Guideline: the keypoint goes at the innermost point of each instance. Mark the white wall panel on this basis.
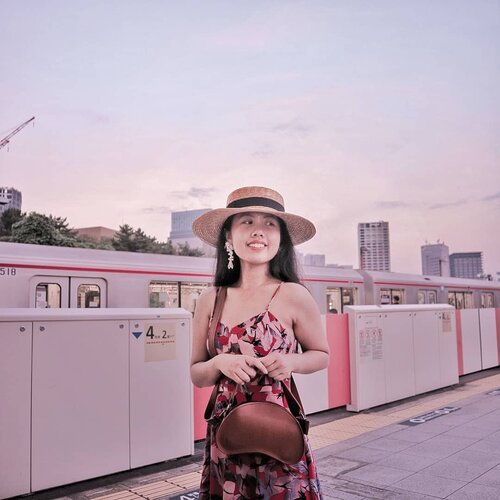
(398, 355)
(471, 342)
(448, 355)
(488, 329)
(15, 408)
(426, 352)
(161, 393)
(313, 390)
(80, 401)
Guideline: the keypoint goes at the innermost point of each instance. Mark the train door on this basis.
(49, 292)
(88, 293)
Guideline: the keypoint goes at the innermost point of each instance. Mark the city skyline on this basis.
(353, 111)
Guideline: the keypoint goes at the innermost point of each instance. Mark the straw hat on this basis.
(252, 199)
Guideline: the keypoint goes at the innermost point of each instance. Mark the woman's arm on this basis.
(205, 371)
(309, 331)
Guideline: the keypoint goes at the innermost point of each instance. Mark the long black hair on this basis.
(283, 265)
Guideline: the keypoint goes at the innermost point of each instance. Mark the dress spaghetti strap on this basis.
(274, 295)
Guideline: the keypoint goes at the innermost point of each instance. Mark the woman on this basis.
(271, 312)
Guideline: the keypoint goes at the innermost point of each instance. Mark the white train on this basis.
(44, 276)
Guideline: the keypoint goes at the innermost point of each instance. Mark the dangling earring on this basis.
(230, 255)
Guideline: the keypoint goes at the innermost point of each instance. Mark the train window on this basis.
(426, 297)
(163, 294)
(460, 300)
(48, 295)
(338, 297)
(190, 293)
(391, 296)
(333, 303)
(487, 299)
(88, 296)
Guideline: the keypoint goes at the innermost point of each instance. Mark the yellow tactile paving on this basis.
(187, 480)
(121, 495)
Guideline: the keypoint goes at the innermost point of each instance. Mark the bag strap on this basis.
(220, 299)
(292, 398)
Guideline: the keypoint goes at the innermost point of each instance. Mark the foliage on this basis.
(7, 219)
(129, 239)
(40, 229)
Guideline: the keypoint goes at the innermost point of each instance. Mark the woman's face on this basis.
(255, 236)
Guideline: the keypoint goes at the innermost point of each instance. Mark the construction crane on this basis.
(5, 140)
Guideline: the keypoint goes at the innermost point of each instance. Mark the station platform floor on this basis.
(451, 451)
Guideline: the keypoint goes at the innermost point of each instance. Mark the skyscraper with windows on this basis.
(466, 265)
(435, 260)
(10, 198)
(373, 246)
(181, 231)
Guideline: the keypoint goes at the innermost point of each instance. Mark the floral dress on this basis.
(254, 476)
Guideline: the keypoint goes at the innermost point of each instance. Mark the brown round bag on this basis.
(261, 427)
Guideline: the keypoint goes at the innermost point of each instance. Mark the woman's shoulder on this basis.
(295, 291)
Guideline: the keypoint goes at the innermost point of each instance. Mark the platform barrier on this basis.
(478, 336)
(86, 393)
(400, 351)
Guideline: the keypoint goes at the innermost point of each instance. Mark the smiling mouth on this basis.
(257, 245)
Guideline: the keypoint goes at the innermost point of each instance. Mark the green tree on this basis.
(8, 218)
(124, 239)
(185, 249)
(38, 229)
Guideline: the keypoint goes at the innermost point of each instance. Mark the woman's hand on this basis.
(238, 367)
(279, 366)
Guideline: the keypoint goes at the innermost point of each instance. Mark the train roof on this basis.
(391, 278)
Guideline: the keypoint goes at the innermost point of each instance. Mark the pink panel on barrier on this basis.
(497, 314)
(460, 349)
(339, 389)
(201, 397)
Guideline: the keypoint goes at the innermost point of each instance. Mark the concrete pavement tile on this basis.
(388, 444)
(407, 495)
(429, 485)
(474, 491)
(364, 454)
(440, 446)
(385, 431)
(333, 449)
(457, 470)
(486, 446)
(412, 463)
(475, 457)
(356, 488)
(376, 474)
(490, 478)
(495, 436)
(457, 418)
(412, 435)
(433, 427)
(332, 466)
(329, 492)
(490, 421)
(471, 431)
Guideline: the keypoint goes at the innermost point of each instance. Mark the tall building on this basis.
(466, 265)
(10, 198)
(182, 232)
(373, 246)
(435, 260)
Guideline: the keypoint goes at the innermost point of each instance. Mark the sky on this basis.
(355, 111)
